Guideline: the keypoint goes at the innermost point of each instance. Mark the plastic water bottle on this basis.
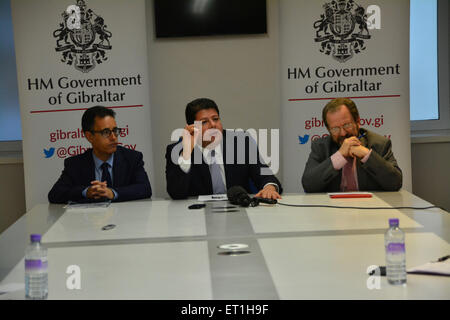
(394, 241)
(36, 276)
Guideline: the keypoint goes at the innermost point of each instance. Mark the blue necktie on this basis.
(105, 175)
(216, 176)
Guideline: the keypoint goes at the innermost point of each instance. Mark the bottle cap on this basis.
(393, 222)
(35, 238)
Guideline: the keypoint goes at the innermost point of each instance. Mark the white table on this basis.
(159, 249)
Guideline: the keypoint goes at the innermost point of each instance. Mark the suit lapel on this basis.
(226, 166)
(90, 166)
(336, 183)
(203, 169)
(117, 178)
(362, 175)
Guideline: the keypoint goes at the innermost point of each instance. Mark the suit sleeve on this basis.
(383, 168)
(139, 187)
(319, 171)
(65, 189)
(260, 172)
(178, 182)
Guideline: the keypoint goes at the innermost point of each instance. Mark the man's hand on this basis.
(358, 151)
(269, 192)
(99, 190)
(347, 144)
(190, 138)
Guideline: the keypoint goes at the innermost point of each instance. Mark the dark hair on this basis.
(334, 105)
(195, 106)
(88, 119)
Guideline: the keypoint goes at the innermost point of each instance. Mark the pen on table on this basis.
(444, 258)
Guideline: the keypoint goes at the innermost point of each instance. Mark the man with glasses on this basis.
(107, 171)
(350, 158)
(209, 160)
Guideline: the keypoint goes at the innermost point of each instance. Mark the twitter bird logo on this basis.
(303, 139)
(49, 153)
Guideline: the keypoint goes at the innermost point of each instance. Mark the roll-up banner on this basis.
(72, 55)
(343, 48)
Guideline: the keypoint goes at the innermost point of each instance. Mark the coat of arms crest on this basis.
(77, 37)
(336, 29)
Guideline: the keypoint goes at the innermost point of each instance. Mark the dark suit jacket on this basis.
(129, 177)
(197, 181)
(379, 173)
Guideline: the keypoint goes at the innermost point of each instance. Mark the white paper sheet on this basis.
(213, 197)
(441, 268)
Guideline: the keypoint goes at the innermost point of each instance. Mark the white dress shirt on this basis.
(185, 165)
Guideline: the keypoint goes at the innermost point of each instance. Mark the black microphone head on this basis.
(234, 192)
(238, 195)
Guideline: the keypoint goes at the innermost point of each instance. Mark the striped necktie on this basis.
(216, 176)
(348, 182)
(105, 174)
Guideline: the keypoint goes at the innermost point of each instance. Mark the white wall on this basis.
(12, 192)
(431, 172)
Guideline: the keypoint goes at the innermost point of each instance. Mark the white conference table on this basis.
(160, 249)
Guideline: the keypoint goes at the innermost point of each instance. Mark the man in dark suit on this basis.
(350, 158)
(107, 171)
(210, 160)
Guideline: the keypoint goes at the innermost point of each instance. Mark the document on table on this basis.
(440, 268)
(88, 205)
(213, 197)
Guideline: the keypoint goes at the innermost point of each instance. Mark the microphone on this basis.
(265, 200)
(238, 196)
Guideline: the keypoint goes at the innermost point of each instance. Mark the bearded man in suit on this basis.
(350, 158)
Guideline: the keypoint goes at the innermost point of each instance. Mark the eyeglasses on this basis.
(106, 133)
(206, 121)
(346, 126)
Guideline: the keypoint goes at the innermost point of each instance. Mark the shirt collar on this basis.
(99, 162)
